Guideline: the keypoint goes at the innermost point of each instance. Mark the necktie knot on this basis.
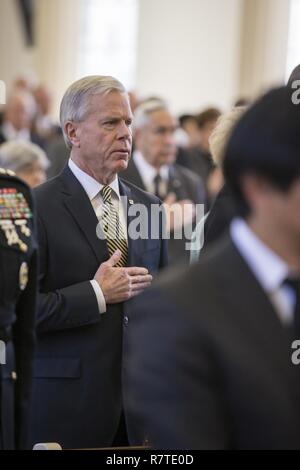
(106, 194)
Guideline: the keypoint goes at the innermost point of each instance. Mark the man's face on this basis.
(156, 140)
(102, 141)
(18, 113)
(286, 209)
(278, 211)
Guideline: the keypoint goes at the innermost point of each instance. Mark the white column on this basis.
(265, 30)
(57, 33)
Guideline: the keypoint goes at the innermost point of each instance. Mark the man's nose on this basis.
(169, 138)
(124, 131)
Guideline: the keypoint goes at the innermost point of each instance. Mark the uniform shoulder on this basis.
(10, 181)
(11, 177)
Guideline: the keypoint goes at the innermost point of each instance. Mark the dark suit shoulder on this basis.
(199, 278)
(49, 187)
(187, 174)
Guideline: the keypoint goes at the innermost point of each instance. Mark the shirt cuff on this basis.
(99, 295)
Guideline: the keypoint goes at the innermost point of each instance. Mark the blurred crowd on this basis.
(179, 156)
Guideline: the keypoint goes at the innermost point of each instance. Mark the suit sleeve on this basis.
(24, 340)
(173, 386)
(70, 307)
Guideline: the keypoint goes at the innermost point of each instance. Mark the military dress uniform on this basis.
(18, 287)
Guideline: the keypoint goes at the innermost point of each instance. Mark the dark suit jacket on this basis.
(77, 376)
(222, 212)
(210, 362)
(18, 290)
(186, 185)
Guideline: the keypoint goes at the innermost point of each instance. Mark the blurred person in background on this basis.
(217, 220)
(224, 371)
(26, 159)
(43, 124)
(153, 168)
(18, 292)
(198, 158)
(17, 119)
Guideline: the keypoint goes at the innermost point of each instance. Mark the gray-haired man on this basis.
(87, 282)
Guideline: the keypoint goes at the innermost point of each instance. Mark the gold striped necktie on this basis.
(112, 228)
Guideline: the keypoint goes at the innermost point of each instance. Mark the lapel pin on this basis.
(130, 201)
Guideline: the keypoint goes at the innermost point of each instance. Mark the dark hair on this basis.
(295, 75)
(265, 142)
(184, 118)
(208, 115)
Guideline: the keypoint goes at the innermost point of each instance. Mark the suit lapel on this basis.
(80, 207)
(134, 246)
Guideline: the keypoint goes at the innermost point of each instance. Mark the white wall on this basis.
(265, 31)
(15, 57)
(189, 51)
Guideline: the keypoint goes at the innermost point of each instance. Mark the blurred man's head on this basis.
(43, 99)
(207, 121)
(188, 123)
(19, 110)
(262, 164)
(155, 128)
(26, 159)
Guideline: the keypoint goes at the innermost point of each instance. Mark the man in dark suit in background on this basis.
(213, 359)
(88, 271)
(153, 168)
(17, 119)
(18, 290)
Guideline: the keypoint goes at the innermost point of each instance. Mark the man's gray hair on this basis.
(144, 110)
(16, 155)
(76, 100)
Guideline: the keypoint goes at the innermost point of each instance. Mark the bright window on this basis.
(293, 57)
(108, 39)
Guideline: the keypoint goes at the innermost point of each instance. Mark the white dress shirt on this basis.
(92, 188)
(149, 172)
(269, 269)
(10, 133)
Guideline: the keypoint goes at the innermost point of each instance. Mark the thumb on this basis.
(115, 257)
(170, 199)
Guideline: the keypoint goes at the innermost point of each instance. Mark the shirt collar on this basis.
(147, 171)
(10, 132)
(91, 186)
(267, 266)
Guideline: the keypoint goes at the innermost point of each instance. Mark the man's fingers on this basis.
(134, 271)
(138, 279)
(170, 199)
(141, 286)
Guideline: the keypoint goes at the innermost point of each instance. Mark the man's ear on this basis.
(71, 129)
